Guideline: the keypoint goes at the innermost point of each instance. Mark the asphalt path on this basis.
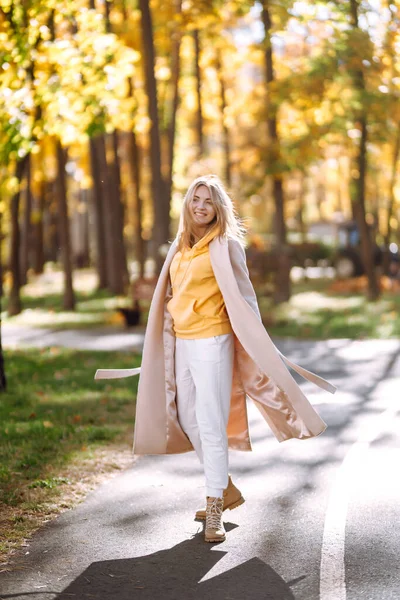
(320, 519)
(95, 338)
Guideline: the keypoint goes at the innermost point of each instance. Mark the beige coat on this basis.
(259, 368)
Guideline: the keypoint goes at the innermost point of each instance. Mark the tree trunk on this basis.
(392, 188)
(225, 131)
(37, 226)
(160, 200)
(102, 174)
(107, 16)
(134, 166)
(119, 250)
(367, 251)
(14, 299)
(111, 201)
(99, 216)
(116, 208)
(115, 168)
(64, 230)
(84, 228)
(52, 236)
(26, 225)
(199, 119)
(109, 211)
(80, 230)
(358, 182)
(3, 380)
(391, 51)
(175, 69)
(283, 287)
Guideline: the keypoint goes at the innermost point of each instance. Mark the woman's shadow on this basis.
(175, 574)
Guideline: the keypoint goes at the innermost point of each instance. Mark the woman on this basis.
(205, 349)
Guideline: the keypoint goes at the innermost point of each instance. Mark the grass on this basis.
(55, 422)
(94, 308)
(42, 303)
(314, 312)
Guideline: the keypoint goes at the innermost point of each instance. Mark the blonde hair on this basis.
(230, 224)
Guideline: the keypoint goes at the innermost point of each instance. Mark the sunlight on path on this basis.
(332, 570)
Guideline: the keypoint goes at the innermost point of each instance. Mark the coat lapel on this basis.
(287, 396)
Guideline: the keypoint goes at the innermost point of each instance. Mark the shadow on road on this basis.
(175, 573)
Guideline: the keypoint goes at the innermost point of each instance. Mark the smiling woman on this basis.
(207, 204)
(206, 349)
(202, 210)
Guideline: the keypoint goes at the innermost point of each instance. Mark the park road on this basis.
(320, 519)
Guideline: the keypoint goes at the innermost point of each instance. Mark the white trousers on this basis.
(203, 373)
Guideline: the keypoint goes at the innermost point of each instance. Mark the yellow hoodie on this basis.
(197, 306)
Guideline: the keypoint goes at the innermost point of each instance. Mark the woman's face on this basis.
(201, 207)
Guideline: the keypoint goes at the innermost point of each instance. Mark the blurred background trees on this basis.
(108, 109)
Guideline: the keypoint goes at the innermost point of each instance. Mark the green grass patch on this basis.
(53, 414)
(95, 307)
(315, 313)
(93, 300)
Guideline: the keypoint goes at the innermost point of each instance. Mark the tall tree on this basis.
(26, 238)
(98, 212)
(161, 202)
(199, 113)
(358, 183)
(116, 207)
(14, 299)
(133, 158)
(392, 66)
(38, 207)
(392, 187)
(283, 288)
(225, 131)
(121, 276)
(176, 72)
(108, 217)
(64, 229)
(3, 379)
(135, 166)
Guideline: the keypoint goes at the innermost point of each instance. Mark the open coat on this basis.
(259, 369)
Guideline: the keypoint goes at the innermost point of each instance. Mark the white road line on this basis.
(332, 569)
